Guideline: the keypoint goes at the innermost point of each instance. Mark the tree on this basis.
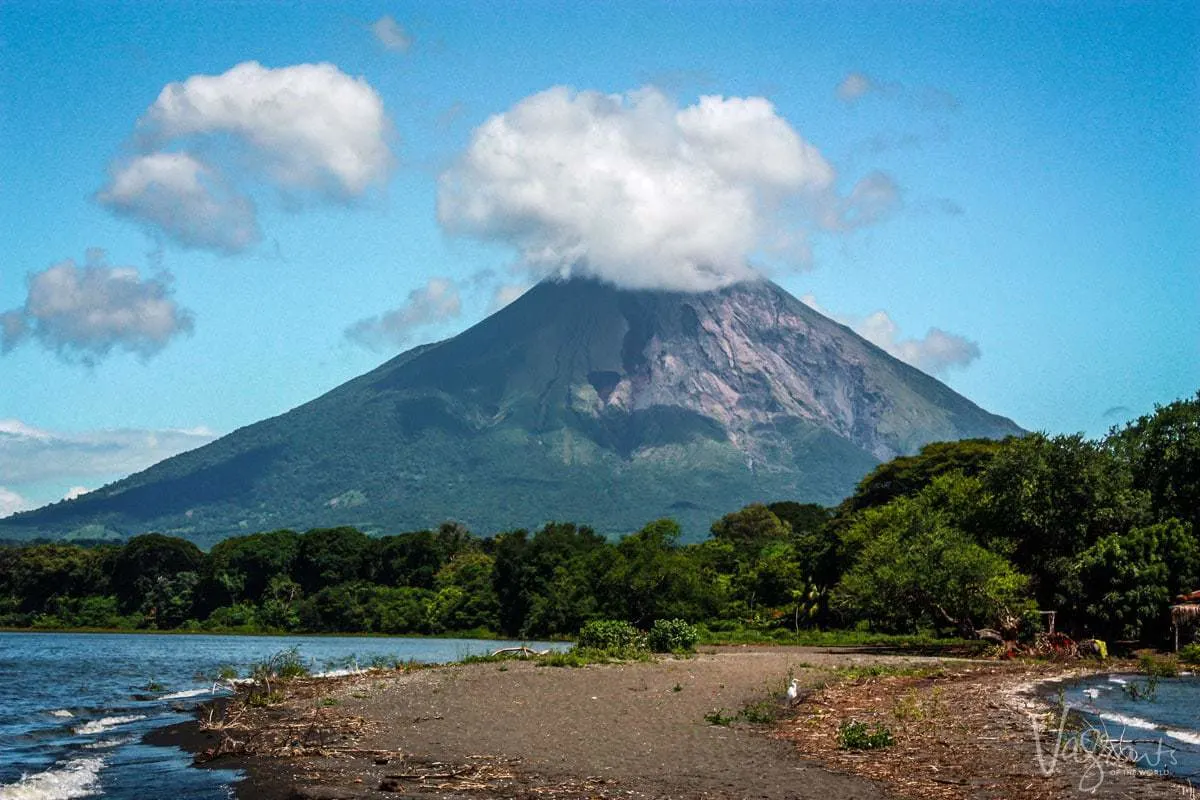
(914, 570)
(465, 597)
(1048, 499)
(144, 559)
(329, 556)
(1125, 582)
(1163, 452)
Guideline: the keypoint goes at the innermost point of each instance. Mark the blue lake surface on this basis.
(74, 707)
(1161, 732)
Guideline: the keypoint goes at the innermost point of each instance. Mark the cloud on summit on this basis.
(636, 190)
(83, 313)
(308, 132)
(935, 353)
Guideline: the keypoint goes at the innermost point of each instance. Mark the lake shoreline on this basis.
(626, 730)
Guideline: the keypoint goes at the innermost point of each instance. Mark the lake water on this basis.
(74, 707)
(1160, 732)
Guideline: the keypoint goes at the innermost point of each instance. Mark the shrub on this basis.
(673, 636)
(1158, 666)
(610, 634)
(1190, 654)
(854, 735)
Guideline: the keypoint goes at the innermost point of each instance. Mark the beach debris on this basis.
(522, 652)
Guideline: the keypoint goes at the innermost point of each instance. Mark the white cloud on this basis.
(75, 491)
(309, 126)
(308, 131)
(635, 190)
(437, 301)
(83, 313)
(391, 34)
(185, 199)
(31, 455)
(936, 353)
(11, 503)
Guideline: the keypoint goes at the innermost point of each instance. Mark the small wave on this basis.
(1188, 737)
(76, 778)
(1092, 693)
(61, 712)
(105, 744)
(186, 693)
(338, 673)
(1115, 679)
(106, 724)
(1129, 722)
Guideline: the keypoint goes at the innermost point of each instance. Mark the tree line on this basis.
(968, 534)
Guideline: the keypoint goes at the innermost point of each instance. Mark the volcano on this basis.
(579, 401)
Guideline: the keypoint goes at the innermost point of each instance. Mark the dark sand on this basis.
(519, 730)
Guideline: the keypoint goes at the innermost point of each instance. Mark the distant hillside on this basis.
(579, 401)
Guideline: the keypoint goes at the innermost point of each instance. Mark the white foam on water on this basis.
(107, 744)
(338, 673)
(186, 693)
(1115, 679)
(1188, 737)
(106, 724)
(61, 712)
(1092, 693)
(79, 777)
(1129, 722)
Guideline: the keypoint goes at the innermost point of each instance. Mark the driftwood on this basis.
(523, 651)
(990, 634)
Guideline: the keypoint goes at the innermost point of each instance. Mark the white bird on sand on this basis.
(793, 691)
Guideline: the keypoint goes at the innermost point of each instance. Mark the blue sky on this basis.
(1024, 178)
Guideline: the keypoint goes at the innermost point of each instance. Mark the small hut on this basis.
(1185, 614)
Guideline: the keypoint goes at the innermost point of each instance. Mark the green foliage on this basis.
(963, 534)
(610, 634)
(672, 636)
(916, 570)
(1157, 665)
(1125, 580)
(719, 717)
(855, 735)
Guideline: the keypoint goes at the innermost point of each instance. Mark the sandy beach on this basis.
(646, 730)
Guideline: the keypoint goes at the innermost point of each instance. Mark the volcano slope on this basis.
(579, 401)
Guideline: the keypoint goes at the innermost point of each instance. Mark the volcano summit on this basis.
(579, 401)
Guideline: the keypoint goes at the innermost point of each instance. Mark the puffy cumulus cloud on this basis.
(391, 34)
(33, 455)
(308, 131)
(83, 312)
(11, 503)
(76, 491)
(309, 126)
(437, 301)
(636, 190)
(185, 199)
(936, 353)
